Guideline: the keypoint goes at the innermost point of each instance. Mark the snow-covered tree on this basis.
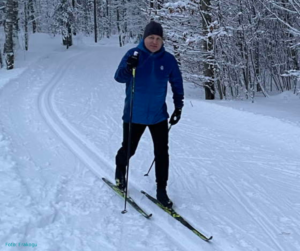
(9, 30)
(231, 48)
(188, 25)
(32, 14)
(63, 21)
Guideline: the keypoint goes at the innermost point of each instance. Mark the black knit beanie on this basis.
(153, 28)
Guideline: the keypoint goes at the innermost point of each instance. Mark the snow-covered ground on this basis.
(234, 165)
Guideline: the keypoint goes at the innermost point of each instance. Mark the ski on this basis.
(177, 216)
(129, 199)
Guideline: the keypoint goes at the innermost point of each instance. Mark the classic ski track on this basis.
(268, 228)
(75, 142)
(232, 189)
(53, 120)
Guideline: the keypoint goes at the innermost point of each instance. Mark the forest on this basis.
(234, 49)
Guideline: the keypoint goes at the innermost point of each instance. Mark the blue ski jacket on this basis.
(153, 73)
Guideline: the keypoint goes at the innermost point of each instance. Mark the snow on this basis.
(234, 165)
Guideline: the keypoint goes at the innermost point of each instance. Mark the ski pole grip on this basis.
(135, 54)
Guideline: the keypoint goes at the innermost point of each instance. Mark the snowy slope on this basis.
(234, 166)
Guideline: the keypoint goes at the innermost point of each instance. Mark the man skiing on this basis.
(155, 67)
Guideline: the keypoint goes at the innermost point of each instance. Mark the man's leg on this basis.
(160, 137)
(137, 131)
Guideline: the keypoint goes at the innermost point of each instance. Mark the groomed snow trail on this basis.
(233, 174)
(68, 207)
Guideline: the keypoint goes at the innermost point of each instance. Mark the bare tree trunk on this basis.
(32, 15)
(108, 19)
(124, 23)
(207, 46)
(16, 18)
(95, 21)
(9, 25)
(1, 60)
(118, 26)
(257, 66)
(74, 31)
(26, 25)
(151, 8)
(160, 4)
(66, 23)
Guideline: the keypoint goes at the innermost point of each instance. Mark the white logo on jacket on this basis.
(162, 67)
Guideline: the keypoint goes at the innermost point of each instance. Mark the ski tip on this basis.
(149, 216)
(143, 192)
(208, 239)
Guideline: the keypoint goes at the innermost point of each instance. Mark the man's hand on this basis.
(175, 116)
(132, 62)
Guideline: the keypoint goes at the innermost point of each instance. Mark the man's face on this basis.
(153, 43)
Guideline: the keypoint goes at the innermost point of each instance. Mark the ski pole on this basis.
(147, 174)
(129, 132)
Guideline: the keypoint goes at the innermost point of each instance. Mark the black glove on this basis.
(132, 62)
(175, 116)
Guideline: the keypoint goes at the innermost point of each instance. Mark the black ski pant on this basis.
(160, 138)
